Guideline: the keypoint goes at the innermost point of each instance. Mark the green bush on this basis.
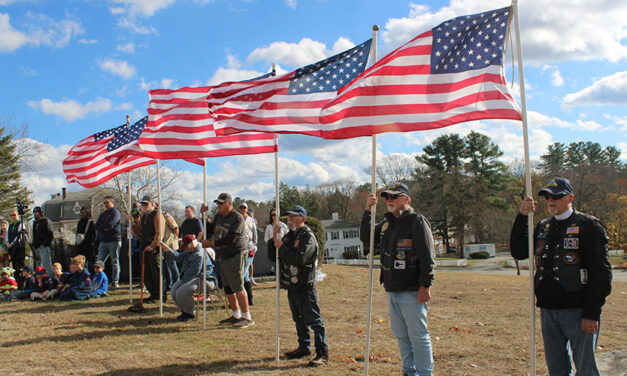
(480, 255)
(350, 255)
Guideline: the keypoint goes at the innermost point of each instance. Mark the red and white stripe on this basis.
(266, 106)
(86, 163)
(180, 125)
(399, 94)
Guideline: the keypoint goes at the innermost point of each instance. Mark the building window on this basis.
(335, 235)
(352, 233)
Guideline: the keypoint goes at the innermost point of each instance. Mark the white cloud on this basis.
(44, 30)
(118, 67)
(88, 41)
(144, 8)
(299, 54)
(11, 39)
(128, 48)
(291, 3)
(537, 119)
(549, 33)
(620, 121)
(607, 90)
(69, 109)
(165, 83)
(232, 72)
(556, 78)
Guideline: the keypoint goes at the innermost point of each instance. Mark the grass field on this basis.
(478, 323)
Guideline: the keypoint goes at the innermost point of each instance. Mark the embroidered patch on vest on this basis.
(570, 258)
(385, 226)
(400, 255)
(572, 230)
(405, 243)
(399, 264)
(296, 243)
(540, 246)
(571, 243)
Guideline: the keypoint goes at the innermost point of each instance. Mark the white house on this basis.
(341, 236)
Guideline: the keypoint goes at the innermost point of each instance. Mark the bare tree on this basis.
(395, 167)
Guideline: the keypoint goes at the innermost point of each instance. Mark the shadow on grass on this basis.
(57, 306)
(144, 327)
(216, 366)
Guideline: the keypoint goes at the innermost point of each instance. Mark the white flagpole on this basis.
(276, 256)
(160, 247)
(373, 210)
(130, 238)
(204, 253)
(523, 102)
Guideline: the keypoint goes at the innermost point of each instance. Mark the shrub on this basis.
(480, 255)
(350, 255)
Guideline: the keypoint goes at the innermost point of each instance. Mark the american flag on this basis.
(180, 126)
(450, 74)
(289, 103)
(86, 163)
(126, 142)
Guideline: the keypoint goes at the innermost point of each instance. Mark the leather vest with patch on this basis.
(559, 256)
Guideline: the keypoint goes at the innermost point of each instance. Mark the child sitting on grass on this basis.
(43, 284)
(79, 286)
(100, 282)
(7, 283)
(60, 278)
(28, 284)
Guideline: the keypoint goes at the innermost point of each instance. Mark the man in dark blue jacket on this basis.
(573, 277)
(298, 257)
(406, 244)
(42, 239)
(110, 236)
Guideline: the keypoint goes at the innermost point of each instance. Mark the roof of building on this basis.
(336, 224)
(68, 208)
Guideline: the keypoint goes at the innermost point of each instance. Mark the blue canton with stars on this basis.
(469, 42)
(125, 135)
(331, 74)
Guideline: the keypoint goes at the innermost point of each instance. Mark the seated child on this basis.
(100, 282)
(7, 283)
(43, 284)
(79, 284)
(59, 278)
(28, 284)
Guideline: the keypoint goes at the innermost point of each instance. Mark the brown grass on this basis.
(478, 323)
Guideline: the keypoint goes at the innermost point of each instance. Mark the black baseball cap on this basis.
(298, 210)
(396, 188)
(557, 186)
(27, 269)
(223, 197)
(146, 199)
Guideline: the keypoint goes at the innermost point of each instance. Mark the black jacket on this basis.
(109, 226)
(572, 265)
(228, 234)
(42, 233)
(406, 246)
(297, 258)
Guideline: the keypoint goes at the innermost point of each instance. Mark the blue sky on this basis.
(72, 68)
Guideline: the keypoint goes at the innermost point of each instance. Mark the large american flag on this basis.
(450, 74)
(86, 163)
(289, 103)
(180, 125)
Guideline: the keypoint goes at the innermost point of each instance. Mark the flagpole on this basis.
(276, 256)
(130, 238)
(523, 102)
(204, 253)
(129, 234)
(373, 210)
(160, 247)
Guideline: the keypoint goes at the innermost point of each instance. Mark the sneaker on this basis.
(243, 323)
(115, 286)
(321, 359)
(230, 321)
(184, 317)
(298, 353)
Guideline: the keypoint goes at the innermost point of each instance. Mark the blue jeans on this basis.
(408, 320)
(249, 261)
(43, 254)
(106, 249)
(171, 269)
(306, 314)
(564, 339)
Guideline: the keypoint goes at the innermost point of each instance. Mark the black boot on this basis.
(322, 358)
(298, 353)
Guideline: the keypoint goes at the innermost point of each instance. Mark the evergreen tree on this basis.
(10, 188)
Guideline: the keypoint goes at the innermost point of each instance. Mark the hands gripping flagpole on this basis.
(373, 210)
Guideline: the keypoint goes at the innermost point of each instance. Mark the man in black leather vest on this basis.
(151, 230)
(573, 277)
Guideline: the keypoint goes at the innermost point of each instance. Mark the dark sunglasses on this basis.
(554, 197)
(273, 214)
(393, 197)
